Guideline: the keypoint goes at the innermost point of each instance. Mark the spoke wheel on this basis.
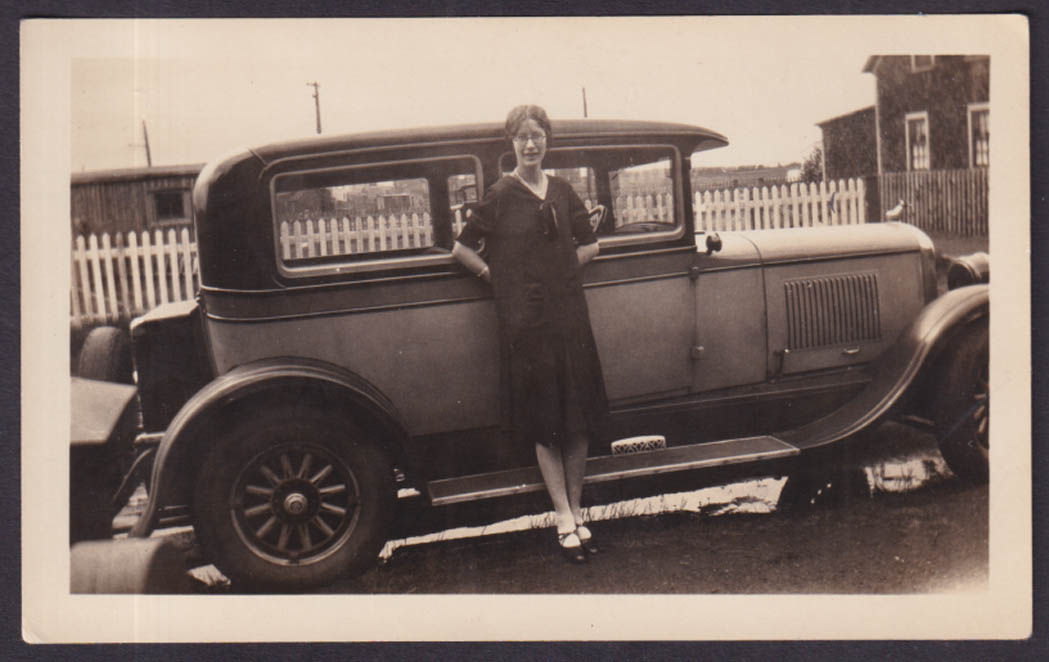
(292, 500)
(964, 406)
(295, 503)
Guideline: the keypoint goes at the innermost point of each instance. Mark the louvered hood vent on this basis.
(832, 311)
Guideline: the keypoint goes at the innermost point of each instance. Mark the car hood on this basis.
(817, 243)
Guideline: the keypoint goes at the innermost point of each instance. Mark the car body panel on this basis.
(415, 355)
(846, 313)
(729, 326)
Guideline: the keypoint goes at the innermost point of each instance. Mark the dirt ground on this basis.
(909, 527)
(929, 541)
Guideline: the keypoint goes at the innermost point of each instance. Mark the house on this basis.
(931, 111)
(850, 148)
(132, 199)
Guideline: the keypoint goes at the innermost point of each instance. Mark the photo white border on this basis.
(51, 614)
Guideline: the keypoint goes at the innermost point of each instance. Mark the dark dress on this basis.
(551, 375)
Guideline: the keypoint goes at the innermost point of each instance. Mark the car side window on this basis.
(354, 219)
(369, 214)
(635, 185)
(462, 189)
(642, 197)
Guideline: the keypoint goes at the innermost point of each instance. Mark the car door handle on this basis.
(851, 351)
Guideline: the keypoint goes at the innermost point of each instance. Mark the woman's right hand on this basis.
(469, 258)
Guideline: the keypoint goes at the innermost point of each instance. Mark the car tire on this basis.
(963, 405)
(293, 499)
(106, 356)
(94, 477)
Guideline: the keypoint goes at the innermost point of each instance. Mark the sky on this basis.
(204, 88)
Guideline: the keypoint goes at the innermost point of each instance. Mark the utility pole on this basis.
(145, 134)
(317, 101)
(584, 101)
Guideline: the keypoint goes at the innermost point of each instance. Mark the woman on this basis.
(537, 236)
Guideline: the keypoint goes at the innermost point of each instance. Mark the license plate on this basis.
(649, 442)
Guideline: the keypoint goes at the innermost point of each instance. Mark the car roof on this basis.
(585, 130)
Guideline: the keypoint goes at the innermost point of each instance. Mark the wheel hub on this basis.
(295, 500)
(295, 504)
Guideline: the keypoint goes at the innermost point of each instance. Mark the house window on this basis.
(922, 62)
(917, 130)
(169, 206)
(979, 135)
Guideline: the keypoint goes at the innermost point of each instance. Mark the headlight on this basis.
(969, 269)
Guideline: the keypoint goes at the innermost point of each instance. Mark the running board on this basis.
(613, 467)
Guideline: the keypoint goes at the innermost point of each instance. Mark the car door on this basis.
(639, 289)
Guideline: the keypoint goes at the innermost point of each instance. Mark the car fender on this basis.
(269, 381)
(898, 368)
(102, 414)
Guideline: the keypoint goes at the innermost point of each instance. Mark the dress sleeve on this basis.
(581, 230)
(480, 220)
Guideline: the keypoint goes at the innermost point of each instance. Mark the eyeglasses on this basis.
(534, 137)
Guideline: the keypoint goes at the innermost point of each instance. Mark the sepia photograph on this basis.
(526, 328)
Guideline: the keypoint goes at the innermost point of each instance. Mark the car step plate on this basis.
(614, 467)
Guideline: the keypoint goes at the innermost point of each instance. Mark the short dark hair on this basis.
(518, 115)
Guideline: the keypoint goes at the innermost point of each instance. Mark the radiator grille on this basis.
(831, 311)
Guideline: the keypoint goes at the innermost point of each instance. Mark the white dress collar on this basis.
(538, 191)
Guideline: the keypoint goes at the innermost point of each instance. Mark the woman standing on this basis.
(537, 234)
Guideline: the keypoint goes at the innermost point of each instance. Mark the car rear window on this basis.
(370, 213)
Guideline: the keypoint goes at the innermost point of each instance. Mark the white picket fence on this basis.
(788, 206)
(350, 236)
(130, 274)
(119, 278)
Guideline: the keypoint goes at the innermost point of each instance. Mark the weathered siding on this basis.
(124, 200)
(944, 92)
(849, 146)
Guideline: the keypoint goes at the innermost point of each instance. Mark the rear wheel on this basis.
(963, 406)
(293, 500)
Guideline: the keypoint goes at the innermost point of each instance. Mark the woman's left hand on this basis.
(587, 252)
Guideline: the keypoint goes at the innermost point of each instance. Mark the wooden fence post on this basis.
(96, 272)
(121, 257)
(136, 282)
(187, 263)
(176, 286)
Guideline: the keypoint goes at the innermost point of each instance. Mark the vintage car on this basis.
(338, 363)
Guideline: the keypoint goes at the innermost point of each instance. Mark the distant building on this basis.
(714, 178)
(932, 111)
(849, 145)
(132, 199)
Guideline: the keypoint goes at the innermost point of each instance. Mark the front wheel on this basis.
(288, 501)
(963, 406)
